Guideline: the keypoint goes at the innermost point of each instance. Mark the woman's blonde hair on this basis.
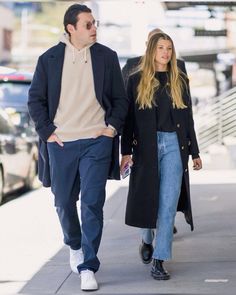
(148, 84)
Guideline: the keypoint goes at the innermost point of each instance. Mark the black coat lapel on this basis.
(98, 65)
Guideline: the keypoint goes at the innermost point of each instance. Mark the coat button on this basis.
(189, 143)
(182, 147)
(186, 170)
(178, 125)
(135, 142)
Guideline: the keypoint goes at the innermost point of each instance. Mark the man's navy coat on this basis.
(44, 95)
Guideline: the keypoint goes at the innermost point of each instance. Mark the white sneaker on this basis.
(88, 281)
(76, 258)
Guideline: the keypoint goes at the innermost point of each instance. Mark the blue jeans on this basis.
(170, 180)
(81, 166)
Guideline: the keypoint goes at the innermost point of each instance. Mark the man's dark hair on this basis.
(71, 14)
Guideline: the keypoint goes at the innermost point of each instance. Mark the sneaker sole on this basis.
(89, 290)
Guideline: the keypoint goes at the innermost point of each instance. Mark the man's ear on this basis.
(70, 28)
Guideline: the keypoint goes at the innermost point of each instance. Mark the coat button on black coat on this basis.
(178, 125)
(135, 142)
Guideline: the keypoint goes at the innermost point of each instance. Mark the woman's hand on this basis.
(54, 138)
(125, 160)
(197, 164)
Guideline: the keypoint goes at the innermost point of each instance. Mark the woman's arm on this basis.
(194, 150)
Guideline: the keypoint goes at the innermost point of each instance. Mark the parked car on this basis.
(18, 140)
(14, 87)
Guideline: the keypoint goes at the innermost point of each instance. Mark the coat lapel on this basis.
(98, 71)
(55, 67)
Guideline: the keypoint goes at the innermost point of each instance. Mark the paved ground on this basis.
(204, 261)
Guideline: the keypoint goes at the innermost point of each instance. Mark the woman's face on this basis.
(163, 52)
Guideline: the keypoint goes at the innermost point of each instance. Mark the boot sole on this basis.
(164, 278)
(146, 262)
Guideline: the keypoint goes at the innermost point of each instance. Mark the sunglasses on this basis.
(89, 25)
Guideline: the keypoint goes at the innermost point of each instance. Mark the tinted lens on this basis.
(90, 24)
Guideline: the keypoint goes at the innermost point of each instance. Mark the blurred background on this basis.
(204, 33)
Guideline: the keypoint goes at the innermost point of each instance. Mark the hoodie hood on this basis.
(74, 51)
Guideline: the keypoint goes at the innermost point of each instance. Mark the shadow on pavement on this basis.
(203, 261)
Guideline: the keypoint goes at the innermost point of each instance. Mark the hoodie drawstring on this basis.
(85, 55)
(84, 51)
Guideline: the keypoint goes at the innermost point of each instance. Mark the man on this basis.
(146, 247)
(78, 103)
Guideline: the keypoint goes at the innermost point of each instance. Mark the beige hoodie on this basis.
(79, 114)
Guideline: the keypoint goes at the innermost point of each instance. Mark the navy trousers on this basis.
(81, 166)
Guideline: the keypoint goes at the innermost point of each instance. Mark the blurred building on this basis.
(6, 29)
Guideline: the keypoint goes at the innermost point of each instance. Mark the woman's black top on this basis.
(163, 104)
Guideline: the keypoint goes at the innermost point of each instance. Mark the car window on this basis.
(13, 93)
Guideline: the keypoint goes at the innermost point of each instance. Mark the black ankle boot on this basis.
(158, 272)
(145, 252)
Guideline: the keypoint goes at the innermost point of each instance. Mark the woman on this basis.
(157, 140)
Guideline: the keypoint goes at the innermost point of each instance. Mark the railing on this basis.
(216, 121)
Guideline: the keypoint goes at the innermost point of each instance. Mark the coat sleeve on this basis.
(120, 101)
(194, 150)
(38, 103)
(128, 131)
(126, 72)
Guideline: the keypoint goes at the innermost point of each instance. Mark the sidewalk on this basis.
(204, 261)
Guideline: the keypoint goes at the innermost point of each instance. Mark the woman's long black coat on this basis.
(140, 139)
